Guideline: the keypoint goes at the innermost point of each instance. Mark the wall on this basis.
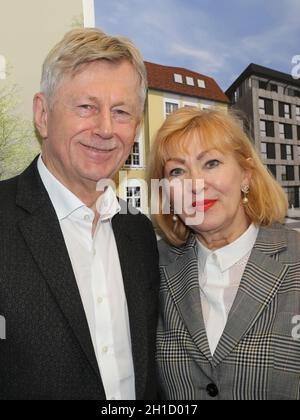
(28, 29)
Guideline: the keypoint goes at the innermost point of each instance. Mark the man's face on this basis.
(89, 131)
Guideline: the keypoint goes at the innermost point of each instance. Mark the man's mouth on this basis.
(98, 149)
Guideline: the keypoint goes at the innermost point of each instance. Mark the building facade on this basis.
(270, 101)
(170, 88)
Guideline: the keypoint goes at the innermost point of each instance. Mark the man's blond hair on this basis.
(86, 45)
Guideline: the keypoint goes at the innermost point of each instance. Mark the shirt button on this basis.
(100, 300)
(104, 350)
(212, 390)
(87, 218)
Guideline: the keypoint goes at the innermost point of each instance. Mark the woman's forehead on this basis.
(194, 142)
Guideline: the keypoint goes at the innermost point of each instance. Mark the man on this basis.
(78, 278)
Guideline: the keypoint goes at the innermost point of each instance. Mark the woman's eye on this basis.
(177, 172)
(212, 163)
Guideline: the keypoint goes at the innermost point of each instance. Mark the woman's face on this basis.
(217, 200)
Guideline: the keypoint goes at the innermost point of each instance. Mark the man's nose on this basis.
(104, 124)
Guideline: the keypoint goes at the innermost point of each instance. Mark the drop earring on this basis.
(245, 190)
(174, 217)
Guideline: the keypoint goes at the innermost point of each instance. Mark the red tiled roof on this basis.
(162, 78)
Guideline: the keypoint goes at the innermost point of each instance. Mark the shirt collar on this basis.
(229, 255)
(65, 202)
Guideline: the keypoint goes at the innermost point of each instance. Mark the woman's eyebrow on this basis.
(176, 160)
(183, 161)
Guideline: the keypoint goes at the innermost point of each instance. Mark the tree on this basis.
(18, 143)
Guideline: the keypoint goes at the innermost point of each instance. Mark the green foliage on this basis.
(18, 143)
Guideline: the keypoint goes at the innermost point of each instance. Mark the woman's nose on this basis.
(197, 183)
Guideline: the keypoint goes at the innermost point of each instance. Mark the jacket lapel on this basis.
(182, 277)
(136, 295)
(260, 283)
(41, 231)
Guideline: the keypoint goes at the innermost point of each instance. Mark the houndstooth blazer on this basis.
(258, 356)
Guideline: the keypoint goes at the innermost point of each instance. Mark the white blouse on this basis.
(220, 274)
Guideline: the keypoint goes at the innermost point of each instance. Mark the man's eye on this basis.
(86, 106)
(86, 110)
(177, 172)
(212, 164)
(121, 115)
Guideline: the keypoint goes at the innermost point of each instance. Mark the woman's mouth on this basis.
(204, 205)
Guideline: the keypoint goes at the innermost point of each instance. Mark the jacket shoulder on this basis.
(8, 190)
(293, 244)
(167, 253)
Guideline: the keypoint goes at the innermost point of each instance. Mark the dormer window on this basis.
(178, 78)
(190, 81)
(201, 84)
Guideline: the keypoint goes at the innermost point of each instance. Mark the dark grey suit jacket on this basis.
(48, 351)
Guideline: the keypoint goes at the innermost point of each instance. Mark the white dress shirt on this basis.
(97, 269)
(220, 274)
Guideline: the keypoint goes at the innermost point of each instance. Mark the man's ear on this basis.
(40, 113)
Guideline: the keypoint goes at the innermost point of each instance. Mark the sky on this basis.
(216, 38)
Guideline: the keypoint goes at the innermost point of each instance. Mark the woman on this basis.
(230, 283)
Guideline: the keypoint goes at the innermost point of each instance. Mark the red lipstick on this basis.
(205, 205)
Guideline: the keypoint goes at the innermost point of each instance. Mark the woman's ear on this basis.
(248, 171)
(40, 113)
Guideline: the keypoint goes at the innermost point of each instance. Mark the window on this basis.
(133, 196)
(285, 110)
(2, 67)
(273, 87)
(170, 107)
(297, 93)
(268, 151)
(271, 151)
(201, 84)
(262, 85)
(178, 78)
(134, 158)
(263, 150)
(298, 132)
(190, 81)
(273, 170)
(267, 129)
(293, 196)
(285, 131)
(291, 92)
(298, 113)
(266, 106)
(290, 173)
(287, 152)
